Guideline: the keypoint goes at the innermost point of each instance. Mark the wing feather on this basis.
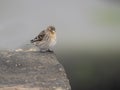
(39, 37)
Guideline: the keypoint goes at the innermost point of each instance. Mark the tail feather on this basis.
(32, 41)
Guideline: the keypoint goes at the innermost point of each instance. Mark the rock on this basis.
(31, 71)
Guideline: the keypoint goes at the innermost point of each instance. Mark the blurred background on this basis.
(88, 36)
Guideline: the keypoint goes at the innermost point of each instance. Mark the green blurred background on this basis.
(88, 36)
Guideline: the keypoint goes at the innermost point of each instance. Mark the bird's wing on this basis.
(39, 37)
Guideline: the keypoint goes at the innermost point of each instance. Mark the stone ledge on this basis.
(31, 71)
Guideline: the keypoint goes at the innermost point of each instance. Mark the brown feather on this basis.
(39, 37)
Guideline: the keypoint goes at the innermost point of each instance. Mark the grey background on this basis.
(79, 23)
(85, 30)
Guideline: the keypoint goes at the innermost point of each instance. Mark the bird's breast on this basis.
(53, 36)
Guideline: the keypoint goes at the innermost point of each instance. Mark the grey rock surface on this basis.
(31, 71)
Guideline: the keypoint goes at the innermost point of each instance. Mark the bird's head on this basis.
(51, 29)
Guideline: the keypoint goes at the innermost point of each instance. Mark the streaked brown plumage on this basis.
(46, 39)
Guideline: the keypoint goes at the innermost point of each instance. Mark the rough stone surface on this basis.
(31, 71)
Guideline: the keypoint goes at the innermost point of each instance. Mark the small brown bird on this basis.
(46, 39)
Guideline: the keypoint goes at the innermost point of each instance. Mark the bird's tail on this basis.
(32, 41)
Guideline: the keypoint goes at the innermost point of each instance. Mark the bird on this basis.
(45, 40)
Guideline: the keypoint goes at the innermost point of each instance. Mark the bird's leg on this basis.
(50, 50)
